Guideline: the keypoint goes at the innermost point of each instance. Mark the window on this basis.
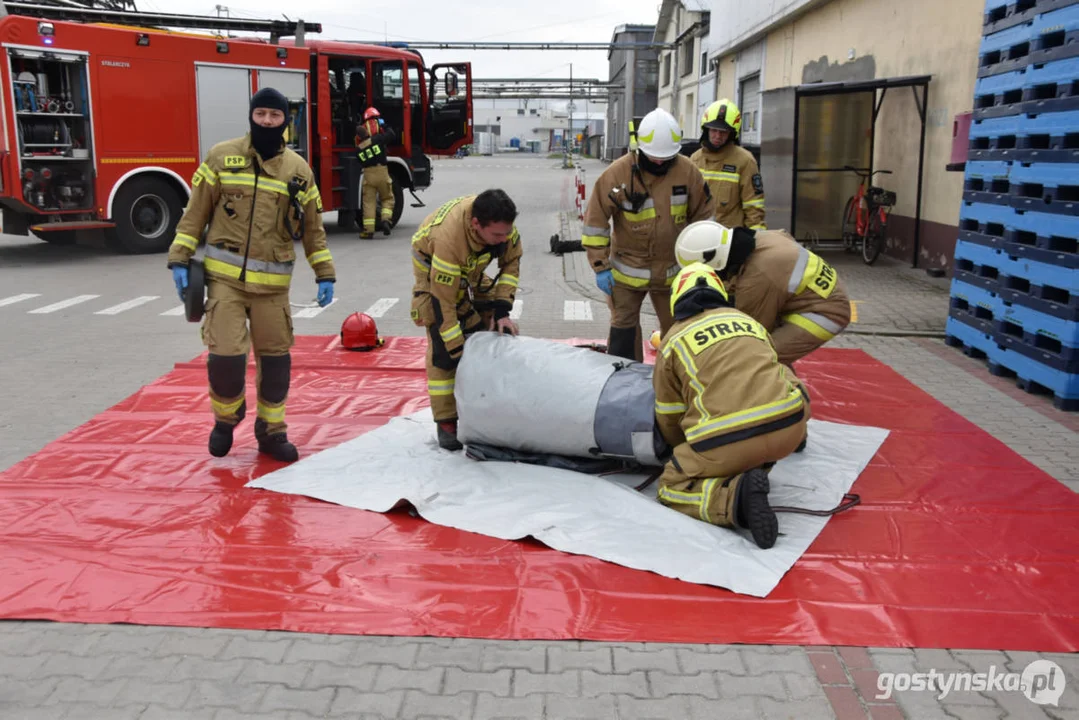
(704, 63)
(647, 75)
(388, 83)
(666, 69)
(414, 84)
(688, 53)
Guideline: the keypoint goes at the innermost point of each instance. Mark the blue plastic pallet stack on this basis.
(1015, 288)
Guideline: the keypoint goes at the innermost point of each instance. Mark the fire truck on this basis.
(107, 114)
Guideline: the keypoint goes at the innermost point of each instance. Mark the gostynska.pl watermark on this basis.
(1042, 682)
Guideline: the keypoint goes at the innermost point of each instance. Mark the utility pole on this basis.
(570, 107)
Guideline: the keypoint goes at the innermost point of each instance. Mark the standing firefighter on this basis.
(731, 170)
(651, 194)
(257, 197)
(726, 405)
(453, 297)
(377, 184)
(792, 292)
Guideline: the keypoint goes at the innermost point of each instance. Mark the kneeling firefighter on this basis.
(797, 297)
(651, 194)
(258, 197)
(453, 297)
(377, 184)
(726, 405)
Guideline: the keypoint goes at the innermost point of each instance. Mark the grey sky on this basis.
(553, 20)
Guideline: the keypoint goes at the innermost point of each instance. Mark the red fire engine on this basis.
(107, 116)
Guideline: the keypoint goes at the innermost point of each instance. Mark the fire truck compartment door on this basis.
(224, 94)
(293, 85)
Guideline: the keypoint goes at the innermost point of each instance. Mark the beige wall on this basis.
(683, 88)
(915, 37)
(726, 82)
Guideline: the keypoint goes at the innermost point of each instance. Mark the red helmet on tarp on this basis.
(359, 332)
(370, 113)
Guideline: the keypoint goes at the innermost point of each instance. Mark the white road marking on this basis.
(310, 312)
(175, 311)
(18, 298)
(133, 303)
(381, 307)
(577, 310)
(518, 306)
(62, 304)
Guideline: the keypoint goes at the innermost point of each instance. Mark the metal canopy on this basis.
(833, 88)
(781, 152)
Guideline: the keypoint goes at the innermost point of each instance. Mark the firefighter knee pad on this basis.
(622, 342)
(442, 358)
(226, 374)
(275, 377)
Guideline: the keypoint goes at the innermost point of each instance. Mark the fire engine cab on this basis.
(107, 115)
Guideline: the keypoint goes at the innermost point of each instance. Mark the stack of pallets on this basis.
(1015, 289)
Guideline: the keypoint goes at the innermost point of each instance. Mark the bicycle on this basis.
(870, 220)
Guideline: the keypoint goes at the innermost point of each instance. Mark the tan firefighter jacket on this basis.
(782, 281)
(735, 180)
(449, 263)
(640, 249)
(718, 381)
(249, 244)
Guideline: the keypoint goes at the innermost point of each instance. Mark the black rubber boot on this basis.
(277, 445)
(447, 436)
(802, 445)
(221, 439)
(753, 512)
(621, 342)
(386, 228)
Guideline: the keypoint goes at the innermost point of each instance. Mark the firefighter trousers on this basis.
(376, 186)
(704, 485)
(625, 304)
(799, 334)
(441, 367)
(235, 321)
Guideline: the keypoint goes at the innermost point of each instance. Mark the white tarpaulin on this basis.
(579, 513)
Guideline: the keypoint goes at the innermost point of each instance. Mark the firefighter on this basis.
(377, 184)
(452, 295)
(257, 197)
(372, 120)
(731, 170)
(792, 292)
(726, 405)
(651, 193)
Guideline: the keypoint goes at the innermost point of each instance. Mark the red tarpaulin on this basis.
(958, 542)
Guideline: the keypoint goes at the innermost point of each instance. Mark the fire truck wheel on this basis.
(146, 211)
(346, 220)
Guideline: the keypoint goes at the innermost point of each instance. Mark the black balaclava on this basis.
(654, 168)
(698, 299)
(743, 243)
(267, 140)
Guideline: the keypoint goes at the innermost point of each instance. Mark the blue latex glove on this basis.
(605, 281)
(325, 293)
(179, 276)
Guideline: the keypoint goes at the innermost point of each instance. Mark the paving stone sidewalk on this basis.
(889, 297)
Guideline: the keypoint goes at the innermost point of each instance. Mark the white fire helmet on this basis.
(659, 136)
(704, 241)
